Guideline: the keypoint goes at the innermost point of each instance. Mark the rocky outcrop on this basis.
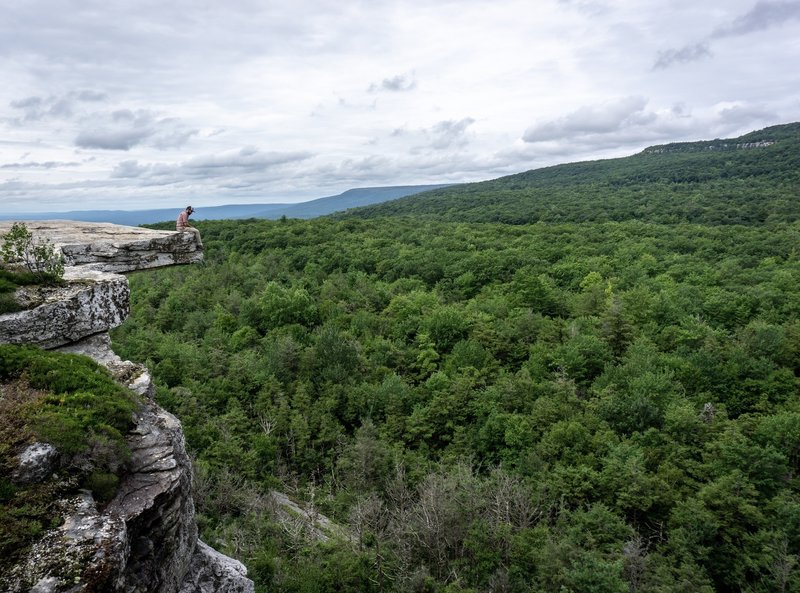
(211, 572)
(152, 501)
(89, 303)
(145, 539)
(87, 550)
(115, 248)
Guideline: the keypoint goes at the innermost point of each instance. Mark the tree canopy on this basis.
(591, 405)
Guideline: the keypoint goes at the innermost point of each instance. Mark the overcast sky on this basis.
(130, 105)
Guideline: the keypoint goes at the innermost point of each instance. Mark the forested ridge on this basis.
(574, 402)
(668, 184)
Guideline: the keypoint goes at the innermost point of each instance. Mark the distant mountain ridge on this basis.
(351, 198)
(752, 179)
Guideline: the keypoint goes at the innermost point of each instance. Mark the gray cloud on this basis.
(396, 84)
(743, 116)
(35, 108)
(91, 96)
(44, 165)
(27, 103)
(117, 129)
(248, 161)
(763, 15)
(173, 139)
(129, 170)
(449, 133)
(589, 7)
(109, 139)
(122, 129)
(407, 169)
(593, 119)
(690, 53)
(248, 158)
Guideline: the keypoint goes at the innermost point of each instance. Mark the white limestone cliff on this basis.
(145, 539)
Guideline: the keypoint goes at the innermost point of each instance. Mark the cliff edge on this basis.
(145, 538)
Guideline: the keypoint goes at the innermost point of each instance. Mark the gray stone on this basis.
(36, 463)
(154, 500)
(91, 302)
(46, 585)
(113, 247)
(212, 572)
(86, 553)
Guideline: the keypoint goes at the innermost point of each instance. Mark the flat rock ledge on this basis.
(113, 247)
(95, 297)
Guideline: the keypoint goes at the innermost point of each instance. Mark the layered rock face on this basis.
(145, 539)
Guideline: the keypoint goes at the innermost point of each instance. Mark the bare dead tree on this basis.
(784, 565)
(634, 557)
(266, 423)
(369, 520)
(511, 501)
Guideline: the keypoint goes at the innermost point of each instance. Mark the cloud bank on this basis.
(254, 102)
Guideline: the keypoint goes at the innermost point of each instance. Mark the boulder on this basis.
(36, 463)
(86, 552)
(212, 572)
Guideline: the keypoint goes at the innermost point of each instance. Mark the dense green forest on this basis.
(582, 406)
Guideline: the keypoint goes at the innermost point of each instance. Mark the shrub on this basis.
(82, 411)
(10, 280)
(38, 257)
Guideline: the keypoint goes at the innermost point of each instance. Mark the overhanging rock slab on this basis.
(94, 298)
(113, 247)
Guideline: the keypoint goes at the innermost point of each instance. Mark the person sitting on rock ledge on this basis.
(182, 224)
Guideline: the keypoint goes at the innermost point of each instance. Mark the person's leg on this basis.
(196, 234)
(197, 238)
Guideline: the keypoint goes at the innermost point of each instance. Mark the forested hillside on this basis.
(582, 406)
(750, 180)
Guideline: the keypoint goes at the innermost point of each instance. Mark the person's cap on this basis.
(190, 208)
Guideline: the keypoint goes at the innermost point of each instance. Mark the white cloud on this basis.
(450, 133)
(765, 14)
(593, 119)
(248, 101)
